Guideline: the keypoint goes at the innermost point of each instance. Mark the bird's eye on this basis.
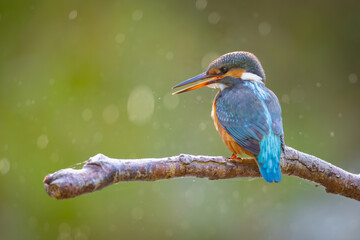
(224, 70)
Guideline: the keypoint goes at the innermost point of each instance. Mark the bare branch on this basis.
(101, 171)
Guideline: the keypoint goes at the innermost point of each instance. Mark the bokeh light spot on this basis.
(87, 114)
(42, 141)
(201, 4)
(353, 78)
(111, 114)
(137, 15)
(214, 18)
(202, 126)
(119, 38)
(140, 105)
(264, 28)
(169, 55)
(4, 166)
(73, 15)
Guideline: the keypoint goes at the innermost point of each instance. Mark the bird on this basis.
(246, 113)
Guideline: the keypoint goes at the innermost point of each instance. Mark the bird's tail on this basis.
(269, 157)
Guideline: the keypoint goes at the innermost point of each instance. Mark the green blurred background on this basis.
(82, 77)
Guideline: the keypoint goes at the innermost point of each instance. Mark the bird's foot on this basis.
(235, 157)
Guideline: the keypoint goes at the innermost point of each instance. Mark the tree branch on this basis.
(101, 171)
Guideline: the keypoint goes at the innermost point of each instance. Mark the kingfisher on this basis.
(246, 113)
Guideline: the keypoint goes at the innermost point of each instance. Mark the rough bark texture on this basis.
(101, 171)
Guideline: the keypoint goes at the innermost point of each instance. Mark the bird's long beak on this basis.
(210, 79)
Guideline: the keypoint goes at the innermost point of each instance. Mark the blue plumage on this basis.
(251, 114)
(245, 112)
(269, 157)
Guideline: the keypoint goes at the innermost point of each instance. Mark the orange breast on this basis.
(232, 145)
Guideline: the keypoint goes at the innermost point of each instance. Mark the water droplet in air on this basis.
(42, 141)
(137, 15)
(201, 4)
(73, 15)
(140, 105)
(214, 18)
(264, 28)
(353, 78)
(169, 55)
(4, 166)
(202, 126)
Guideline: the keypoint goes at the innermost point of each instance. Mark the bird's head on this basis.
(226, 71)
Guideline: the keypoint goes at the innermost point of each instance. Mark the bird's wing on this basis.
(274, 108)
(244, 117)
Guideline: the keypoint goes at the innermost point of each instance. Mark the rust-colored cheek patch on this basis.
(214, 71)
(236, 73)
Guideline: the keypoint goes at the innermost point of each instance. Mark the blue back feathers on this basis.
(251, 114)
(269, 157)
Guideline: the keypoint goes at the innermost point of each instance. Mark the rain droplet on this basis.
(42, 141)
(318, 84)
(214, 18)
(4, 166)
(332, 134)
(137, 15)
(111, 114)
(201, 4)
(73, 14)
(264, 28)
(353, 78)
(140, 105)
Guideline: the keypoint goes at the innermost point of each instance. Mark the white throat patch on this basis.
(218, 85)
(251, 77)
